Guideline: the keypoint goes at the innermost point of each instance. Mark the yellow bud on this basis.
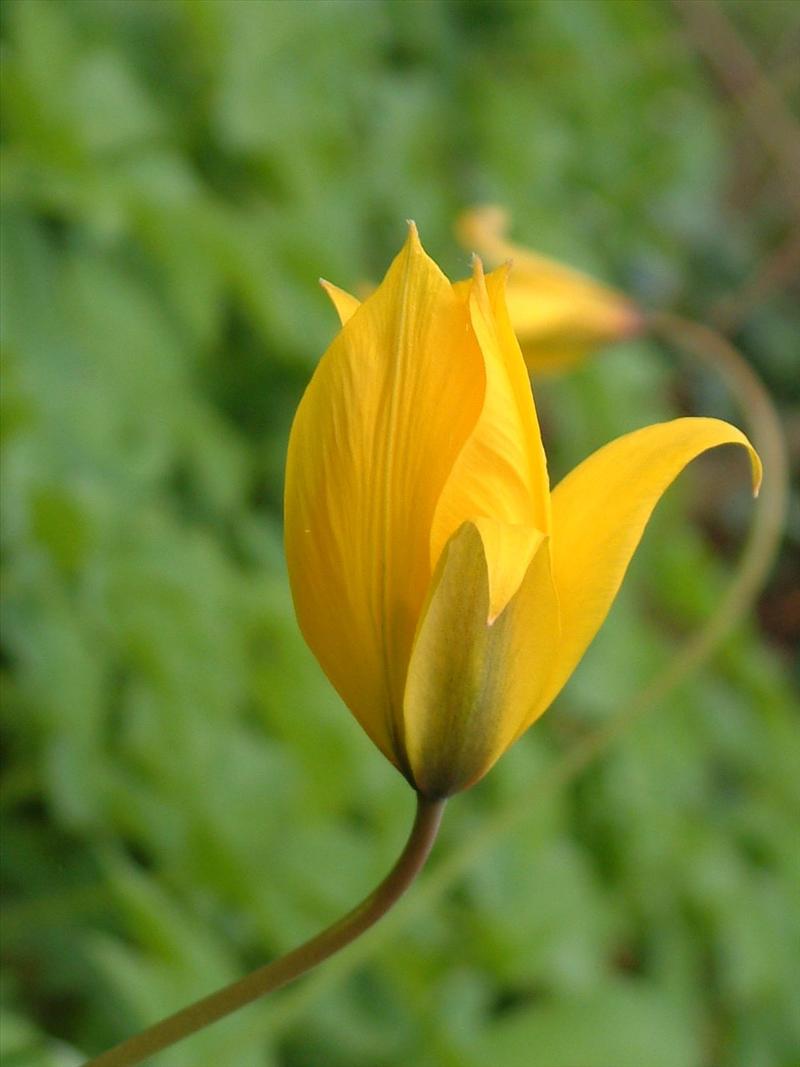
(559, 315)
(446, 592)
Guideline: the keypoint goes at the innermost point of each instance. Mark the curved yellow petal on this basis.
(558, 313)
(501, 473)
(387, 412)
(600, 511)
(345, 304)
(472, 682)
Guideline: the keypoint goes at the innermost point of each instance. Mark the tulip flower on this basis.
(446, 592)
(558, 314)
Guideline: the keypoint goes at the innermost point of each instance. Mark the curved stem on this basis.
(273, 975)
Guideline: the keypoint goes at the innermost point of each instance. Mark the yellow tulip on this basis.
(558, 314)
(446, 593)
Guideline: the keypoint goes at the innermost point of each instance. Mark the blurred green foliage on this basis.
(183, 794)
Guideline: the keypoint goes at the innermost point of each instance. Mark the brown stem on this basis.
(273, 975)
(760, 102)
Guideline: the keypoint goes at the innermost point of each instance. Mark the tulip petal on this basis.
(472, 682)
(536, 461)
(600, 511)
(501, 471)
(508, 550)
(387, 412)
(345, 303)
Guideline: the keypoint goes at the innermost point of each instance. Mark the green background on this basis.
(183, 795)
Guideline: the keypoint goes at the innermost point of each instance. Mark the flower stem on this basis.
(279, 972)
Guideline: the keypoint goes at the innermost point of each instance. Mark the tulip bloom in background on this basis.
(446, 592)
(559, 315)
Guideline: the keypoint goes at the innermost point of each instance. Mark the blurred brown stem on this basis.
(742, 78)
(281, 971)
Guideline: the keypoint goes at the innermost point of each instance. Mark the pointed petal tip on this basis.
(344, 303)
(756, 466)
(413, 242)
(757, 472)
(503, 271)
